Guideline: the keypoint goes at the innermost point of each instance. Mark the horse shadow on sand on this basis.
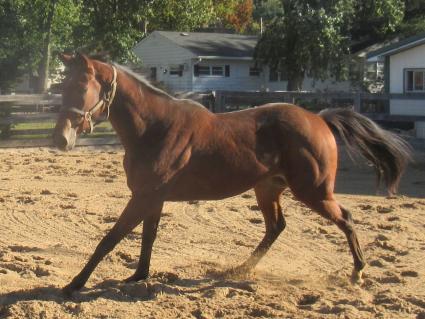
(159, 283)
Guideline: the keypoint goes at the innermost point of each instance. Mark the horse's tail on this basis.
(388, 153)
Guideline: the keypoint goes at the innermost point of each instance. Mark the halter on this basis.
(106, 101)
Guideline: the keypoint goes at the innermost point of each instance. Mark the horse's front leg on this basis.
(150, 228)
(138, 209)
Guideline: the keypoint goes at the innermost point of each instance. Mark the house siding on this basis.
(310, 84)
(410, 59)
(413, 58)
(158, 51)
(239, 79)
(407, 107)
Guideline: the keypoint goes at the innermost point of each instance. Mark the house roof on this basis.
(399, 46)
(205, 44)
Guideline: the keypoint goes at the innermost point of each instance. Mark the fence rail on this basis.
(229, 100)
(28, 120)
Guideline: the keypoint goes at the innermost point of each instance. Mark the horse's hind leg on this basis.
(331, 210)
(347, 226)
(268, 193)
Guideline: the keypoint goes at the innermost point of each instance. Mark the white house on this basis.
(195, 61)
(404, 69)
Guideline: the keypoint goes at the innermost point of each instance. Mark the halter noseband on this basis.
(106, 101)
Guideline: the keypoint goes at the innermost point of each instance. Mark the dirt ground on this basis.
(55, 207)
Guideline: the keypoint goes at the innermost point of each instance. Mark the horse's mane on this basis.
(142, 80)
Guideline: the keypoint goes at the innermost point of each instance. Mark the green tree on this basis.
(30, 30)
(12, 55)
(374, 20)
(414, 18)
(310, 38)
(110, 26)
(113, 27)
(178, 15)
(267, 10)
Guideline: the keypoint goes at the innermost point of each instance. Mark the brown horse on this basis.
(176, 150)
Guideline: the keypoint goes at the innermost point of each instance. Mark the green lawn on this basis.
(23, 130)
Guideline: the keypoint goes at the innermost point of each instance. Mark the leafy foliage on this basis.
(234, 14)
(309, 39)
(303, 37)
(12, 57)
(24, 27)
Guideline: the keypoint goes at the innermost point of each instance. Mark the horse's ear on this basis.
(66, 58)
(84, 62)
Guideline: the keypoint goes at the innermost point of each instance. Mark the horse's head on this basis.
(88, 91)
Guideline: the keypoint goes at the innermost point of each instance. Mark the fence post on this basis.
(219, 102)
(357, 102)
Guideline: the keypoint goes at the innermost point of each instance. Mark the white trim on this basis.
(246, 58)
(404, 47)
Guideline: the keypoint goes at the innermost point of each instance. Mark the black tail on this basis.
(388, 153)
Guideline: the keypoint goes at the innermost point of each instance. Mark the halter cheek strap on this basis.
(105, 102)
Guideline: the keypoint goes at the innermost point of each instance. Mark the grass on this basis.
(17, 131)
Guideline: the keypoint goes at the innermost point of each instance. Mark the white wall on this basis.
(407, 107)
(420, 129)
(158, 51)
(310, 84)
(412, 58)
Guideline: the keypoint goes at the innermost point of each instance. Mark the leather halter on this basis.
(106, 101)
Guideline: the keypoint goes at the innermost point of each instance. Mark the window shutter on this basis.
(227, 71)
(196, 70)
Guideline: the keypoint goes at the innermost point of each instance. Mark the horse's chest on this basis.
(147, 174)
(139, 174)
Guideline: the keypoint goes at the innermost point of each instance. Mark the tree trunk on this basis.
(295, 82)
(43, 69)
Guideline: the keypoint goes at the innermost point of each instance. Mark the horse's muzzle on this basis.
(64, 136)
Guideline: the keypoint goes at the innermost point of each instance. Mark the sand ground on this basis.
(55, 207)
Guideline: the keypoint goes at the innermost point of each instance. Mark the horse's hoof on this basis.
(136, 277)
(241, 270)
(69, 289)
(356, 277)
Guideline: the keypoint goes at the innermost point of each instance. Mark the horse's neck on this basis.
(137, 108)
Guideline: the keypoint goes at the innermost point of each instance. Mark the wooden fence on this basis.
(28, 120)
(362, 102)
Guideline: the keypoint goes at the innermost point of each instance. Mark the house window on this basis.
(253, 71)
(217, 70)
(204, 70)
(275, 76)
(176, 70)
(414, 80)
(211, 70)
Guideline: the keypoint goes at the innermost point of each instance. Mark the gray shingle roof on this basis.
(214, 44)
(399, 46)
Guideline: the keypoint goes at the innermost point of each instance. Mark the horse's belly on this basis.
(213, 184)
